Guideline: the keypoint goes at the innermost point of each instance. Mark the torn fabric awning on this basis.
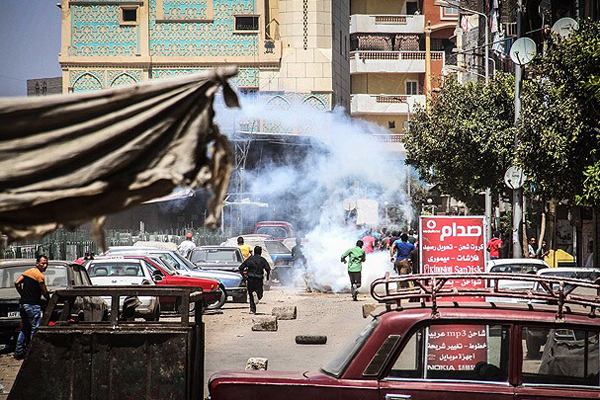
(69, 159)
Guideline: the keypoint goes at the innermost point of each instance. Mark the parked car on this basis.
(59, 275)
(118, 272)
(278, 230)
(516, 265)
(217, 258)
(233, 283)
(162, 274)
(443, 350)
(253, 241)
(535, 339)
(283, 262)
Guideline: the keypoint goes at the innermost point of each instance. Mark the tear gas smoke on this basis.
(355, 165)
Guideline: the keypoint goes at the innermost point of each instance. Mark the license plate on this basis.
(14, 314)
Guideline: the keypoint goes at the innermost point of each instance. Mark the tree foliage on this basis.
(464, 141)
(560, 120)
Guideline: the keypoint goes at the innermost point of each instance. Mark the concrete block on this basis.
(267, 323)
(257, 364)
(368, 308)
(285, 312)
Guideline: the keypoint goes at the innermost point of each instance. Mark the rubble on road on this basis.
(266, 323)
(368, 308)
(285, 312)
(257, 363)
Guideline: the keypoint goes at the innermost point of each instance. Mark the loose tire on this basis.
(311, 339)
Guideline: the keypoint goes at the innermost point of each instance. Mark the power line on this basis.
(14, 79)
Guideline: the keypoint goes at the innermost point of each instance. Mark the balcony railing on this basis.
(362, 62)
(383, 104)
(395, 55)
(362, 23)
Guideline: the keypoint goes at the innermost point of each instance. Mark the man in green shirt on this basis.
(356, 256)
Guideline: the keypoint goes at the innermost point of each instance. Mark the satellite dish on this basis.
(514, 177)
(564, 26)
(349, 204)
(523, 51)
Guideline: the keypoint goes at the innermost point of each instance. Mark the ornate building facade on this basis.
(290, 50)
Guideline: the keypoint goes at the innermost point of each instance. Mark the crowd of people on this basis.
(402, 248)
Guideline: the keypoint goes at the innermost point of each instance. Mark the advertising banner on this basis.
(456, 245)
(453, 245)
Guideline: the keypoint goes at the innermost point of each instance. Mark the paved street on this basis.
(230, 340)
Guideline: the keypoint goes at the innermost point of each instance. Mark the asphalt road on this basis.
(230, 340)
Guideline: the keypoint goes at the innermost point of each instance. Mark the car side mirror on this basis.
(157, 276)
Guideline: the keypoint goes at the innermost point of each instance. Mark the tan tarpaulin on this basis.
(69, 159)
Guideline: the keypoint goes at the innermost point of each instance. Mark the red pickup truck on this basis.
(444, 350)
(279, 230)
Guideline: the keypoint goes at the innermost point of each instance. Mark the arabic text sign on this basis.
(453, 245)
(456, 347)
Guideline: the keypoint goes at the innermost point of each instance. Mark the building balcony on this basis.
(360, 23)
(363, 62)
(382, 104)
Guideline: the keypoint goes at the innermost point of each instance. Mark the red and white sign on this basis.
(456, 347)
(454, 245)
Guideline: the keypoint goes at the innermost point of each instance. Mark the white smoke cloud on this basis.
(356, 165)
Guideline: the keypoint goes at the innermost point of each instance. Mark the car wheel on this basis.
(219, 303)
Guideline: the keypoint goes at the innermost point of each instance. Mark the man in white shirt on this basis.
(186, 247)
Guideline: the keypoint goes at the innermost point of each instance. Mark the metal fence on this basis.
(71, 245)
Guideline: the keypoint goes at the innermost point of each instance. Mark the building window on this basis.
(129, 16)
(412, 8)
(44, 88)
(449, 12)
(412, 88)
(37, 88)
(391, 124)
(246, 23)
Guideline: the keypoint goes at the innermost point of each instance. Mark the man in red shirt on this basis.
(369, 242)
(494, 247)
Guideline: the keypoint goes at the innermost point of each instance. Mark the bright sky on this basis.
(29, 43)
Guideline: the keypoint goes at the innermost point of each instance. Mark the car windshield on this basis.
(214, 256)
(337, 366)
(164, 265)
(276, 231)
(587, 275)
(185, 263)
(169, 260)
(115, 269)
(517, 268)
(275, 247)
(56, 275)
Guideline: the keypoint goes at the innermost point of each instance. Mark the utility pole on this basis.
(517, 193)
(428, 60)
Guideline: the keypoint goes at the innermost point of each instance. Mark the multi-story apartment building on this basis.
(390, 67)
(291, 50)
